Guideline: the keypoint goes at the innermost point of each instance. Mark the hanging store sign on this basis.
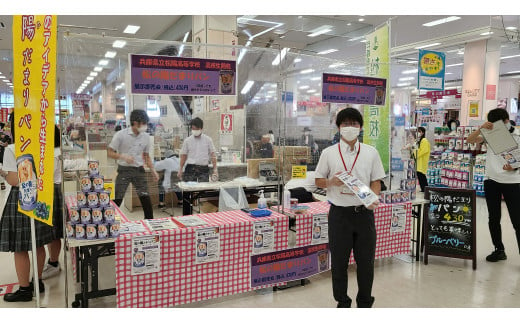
(353, 89)
(431, 70)
(182, 76)
(34, 59)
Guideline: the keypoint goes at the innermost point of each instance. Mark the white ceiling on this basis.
(407, 32)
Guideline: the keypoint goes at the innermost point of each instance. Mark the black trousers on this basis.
(136, 176)
(423, 181)
(350, 230)
(494, 192)
(196, 173)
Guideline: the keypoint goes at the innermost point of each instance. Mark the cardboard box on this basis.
(252, 166)
(292, 156)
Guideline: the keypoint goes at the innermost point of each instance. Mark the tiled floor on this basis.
(443, 283)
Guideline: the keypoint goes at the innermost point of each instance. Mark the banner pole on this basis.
(36, 284)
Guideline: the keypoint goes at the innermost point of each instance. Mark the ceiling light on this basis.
(86, 82)
(90, 78)
(304, 87)
(513, 72)
(487, 33)
(458, 64)
(311, 91)
(119, 44)
(337, 65)
(274, 85)
(441, 21)
(6, 81)
(409, 71)
(349, 24)
(110, 54)
(103, 62)
(247, 87)
(297, 60)
(328, 51)
(429, 45)
(511, 28)
(183, 40)
(409, 78)
(93, 73)
(356, 38)
(460, 53)
(307, 71)
(448, 73)
(131, 29)
(320, 30)
(98, 69)
(509, 56)
(361, 19)
(316, 78)
(2, 77)
(404, 84)
(363, 41)
(277, 60)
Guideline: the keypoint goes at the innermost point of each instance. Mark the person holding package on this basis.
(351, 225)
(15, 232)
(501, 180)
(196, 152)
(422, 155)
(131, 147)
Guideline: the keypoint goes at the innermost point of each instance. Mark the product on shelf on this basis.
(479, 172)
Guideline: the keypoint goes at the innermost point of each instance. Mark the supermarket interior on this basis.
(260, 161)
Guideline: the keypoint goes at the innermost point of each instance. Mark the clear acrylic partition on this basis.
(91, 121)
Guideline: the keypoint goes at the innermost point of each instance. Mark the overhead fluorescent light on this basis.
(361, 19)
(409, 78)
(183, 40)
(119, 44)
(311, 91)
(6, 81)
(275, 25)
(511, 28)
(307, 71)
(247, 87)
(409, 71)
(513, 72)
(441, 21)
(131, 29)
(93, 73)
(448, 73)
(2, 77)
(505, 57)
(404, 84)
(356, 38)
(335, 65)
(304, 87)
(316, 78)
(103, 62)
(110, 54)
(90, 78)
(297, 60)
(86, 82)
(328, 51)
(458, 64)
(278, 59)
(243, 51)
(487, 33)
(426, 46)
(363, 41)
(98, 69)
(320, 30)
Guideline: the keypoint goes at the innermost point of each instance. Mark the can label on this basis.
(110, 215)
(85, 184)
(80, 231)
(28, 193)
(114, 230)
(104, 198)
(85, 215)
(91, 231)
(92, 199)
(70, 230)
(81, 199)
(97, 215)
(93, 167)
(98, 183)
(74, 215)
(102, 231)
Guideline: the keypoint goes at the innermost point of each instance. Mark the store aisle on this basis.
(443, 283)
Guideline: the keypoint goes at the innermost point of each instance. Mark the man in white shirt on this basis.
(131, 148)
(169, 164)
(196, 152)
(351, 225)
(501, 180)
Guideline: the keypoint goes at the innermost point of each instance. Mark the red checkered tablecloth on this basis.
(387, 243)
(182, 281)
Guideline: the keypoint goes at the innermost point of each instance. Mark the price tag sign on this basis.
(299, 171)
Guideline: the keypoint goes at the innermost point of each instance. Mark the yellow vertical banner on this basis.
(34, 77)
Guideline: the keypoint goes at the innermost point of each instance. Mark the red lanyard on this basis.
(355, 160)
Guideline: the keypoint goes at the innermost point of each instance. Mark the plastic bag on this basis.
(232, 198)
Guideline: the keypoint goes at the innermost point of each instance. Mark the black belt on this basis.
(355, 209)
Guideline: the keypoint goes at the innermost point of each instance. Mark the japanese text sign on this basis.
(34, 58)
(431, 70)
(287, 265)
(182, 75)
(299, 171)
(353, 89)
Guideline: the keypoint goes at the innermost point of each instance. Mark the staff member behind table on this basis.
(130, 147)
(169, 164)
(351, 225)
(501, 180)
(422, 154)
(196, 152)
(266, 148)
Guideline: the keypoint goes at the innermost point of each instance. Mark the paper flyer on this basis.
(362, 191)
(131, 227)
(146, 254)
(161, 224)
(320, 228)
(190, 221)
(263, 236)
(398, 221)
(499, 139)
(207, 245)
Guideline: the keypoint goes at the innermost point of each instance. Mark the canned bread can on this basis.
(28, 193)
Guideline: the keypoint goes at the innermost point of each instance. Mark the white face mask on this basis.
(196, 133)
(349, 133)
(142, 129)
